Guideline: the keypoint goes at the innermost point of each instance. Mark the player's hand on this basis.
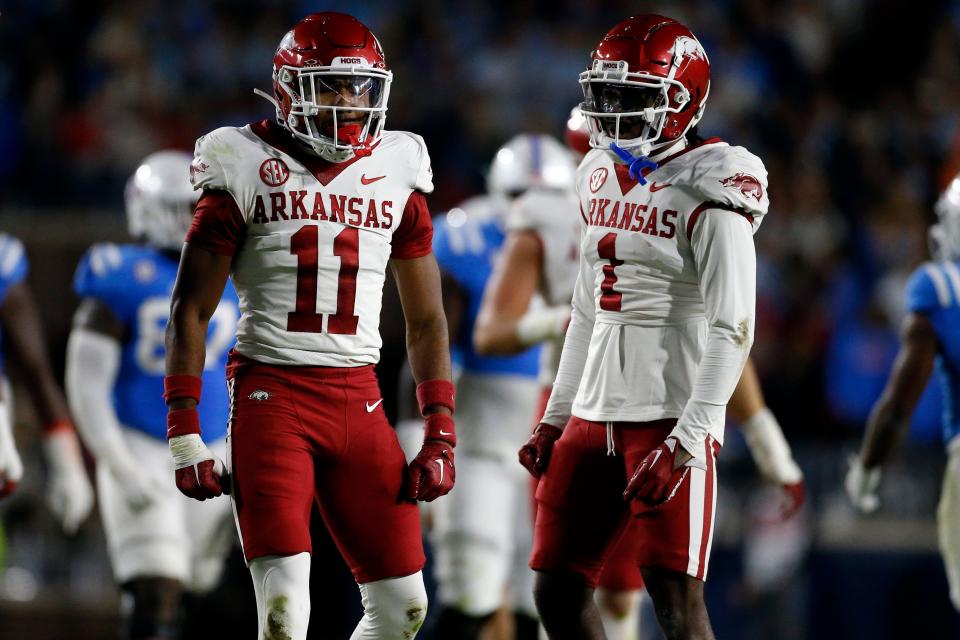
(535, 455)
(659, 474)
(862, 485)
(11, 468)
(794, 495)
(140, 489)
(199, 473)
(69, 493)
(431, 474)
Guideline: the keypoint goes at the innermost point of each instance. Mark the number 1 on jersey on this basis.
(607, 248)
(305, 245)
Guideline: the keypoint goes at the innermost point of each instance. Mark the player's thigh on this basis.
(359, 495)
(210, 533)
(948, 523)
(580, 508)
(493, 413)
(148, 542)
(620, 570)
(473, 534)
(521, 576)
(271, 464)
(678, 534)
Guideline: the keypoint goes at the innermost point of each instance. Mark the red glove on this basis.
(657, 478)
(794, 495)
(432, 474)
(535, 455)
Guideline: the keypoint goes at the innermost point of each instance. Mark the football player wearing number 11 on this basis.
(305, 213)
(662, 324)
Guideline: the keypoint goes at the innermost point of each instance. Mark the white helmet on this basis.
(160, 199)
(530, 160)
(945, 234)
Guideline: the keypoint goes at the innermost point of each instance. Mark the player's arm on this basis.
(216, 233)
(93, 361)
(890, 418)
(535, 454)
(768, 447)
(722, 243)
(505, 325)
(69, 493)
(431, 473)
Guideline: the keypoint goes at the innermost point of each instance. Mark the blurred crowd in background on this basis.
(854, 106)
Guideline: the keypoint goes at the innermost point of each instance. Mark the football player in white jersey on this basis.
(482, 533)
(159, 542)
(68, 492)
(541, 256)
(305, 214)
(662, 323)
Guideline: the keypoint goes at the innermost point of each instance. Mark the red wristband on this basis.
(440, 426)
(182, 385)
(61, 424)
(181, 422)
(435, 393)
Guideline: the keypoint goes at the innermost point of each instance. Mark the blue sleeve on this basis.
(102, 275)
(441, 243)
(13, 264)
(921, 292)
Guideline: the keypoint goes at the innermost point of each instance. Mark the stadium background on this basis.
(854, 105)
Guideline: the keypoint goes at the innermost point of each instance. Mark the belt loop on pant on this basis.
(611, 450)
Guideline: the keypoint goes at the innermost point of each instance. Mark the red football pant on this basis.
(620, 571)
(581, 513)
(305, 434)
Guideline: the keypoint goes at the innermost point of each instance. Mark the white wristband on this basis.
(770, 449)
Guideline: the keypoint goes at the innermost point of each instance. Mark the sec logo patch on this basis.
(597, 178)
(274, 172)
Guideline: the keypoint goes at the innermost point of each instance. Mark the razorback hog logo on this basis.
(748, 185)
(259, 395)
(685, 46)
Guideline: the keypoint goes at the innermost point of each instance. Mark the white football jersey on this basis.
(310, 271)
(554, 217)
(648, 253)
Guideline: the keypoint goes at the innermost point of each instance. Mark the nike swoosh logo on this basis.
(445, 433)
(656, 187)
(440, 464)
(371, 407)
(656, 456)
(365, 180)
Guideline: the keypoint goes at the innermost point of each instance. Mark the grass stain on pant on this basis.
(277, 628)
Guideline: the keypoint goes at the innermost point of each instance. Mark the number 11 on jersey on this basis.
(305, 245)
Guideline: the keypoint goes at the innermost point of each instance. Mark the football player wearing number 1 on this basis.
(159, 542)
(305, 214)
(661, 326)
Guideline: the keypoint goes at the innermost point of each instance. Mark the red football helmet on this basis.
(647, 84)
(576, 134)
(331, 85)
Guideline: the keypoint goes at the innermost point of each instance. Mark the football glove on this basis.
(658, 477)
(69, 493)
(535, 455)
(862, 485)
(431, 473)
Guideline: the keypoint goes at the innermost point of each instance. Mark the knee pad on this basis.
(393, 608)
(457, 624)
(151, 608)
(282, 587)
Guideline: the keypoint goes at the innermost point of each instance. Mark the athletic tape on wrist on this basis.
(182, 385)
(181, 422)
(440, 426)
(431, 393)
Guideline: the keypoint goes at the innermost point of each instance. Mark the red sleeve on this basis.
(414, 237)
(218, 225)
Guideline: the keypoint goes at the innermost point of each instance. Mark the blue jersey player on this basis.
(930, 339)
(68, 490)
(159, 541)
(482, 532)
